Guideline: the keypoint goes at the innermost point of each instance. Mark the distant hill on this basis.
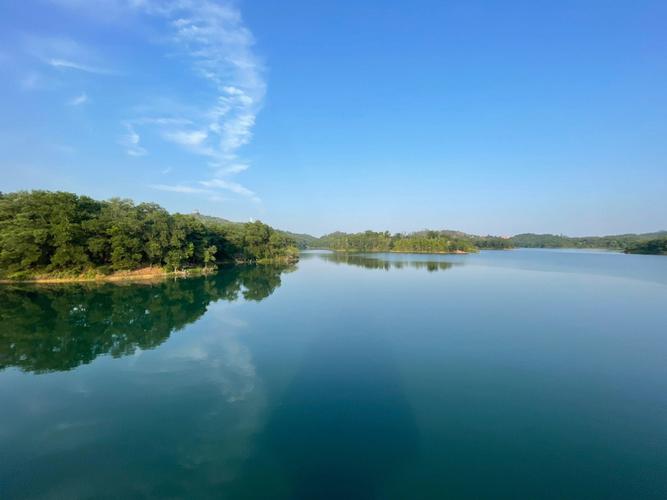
(302, 240)
(209, 219)
(613, 242)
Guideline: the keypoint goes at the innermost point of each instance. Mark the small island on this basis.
(431, 242)
(58, 236)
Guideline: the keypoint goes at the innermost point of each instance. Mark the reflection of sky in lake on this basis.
(202, 383)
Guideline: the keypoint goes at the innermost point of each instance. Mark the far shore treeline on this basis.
(456, 241)
(57, 233)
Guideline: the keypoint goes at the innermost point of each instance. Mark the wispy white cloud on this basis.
(234, 187)
(66, 64)
(191, 139)
(213, 40)
(162, 121)
(131, 141)
(223, 169)
(66, 54)
(78, 100)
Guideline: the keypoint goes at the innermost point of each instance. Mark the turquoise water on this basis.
(511, 374)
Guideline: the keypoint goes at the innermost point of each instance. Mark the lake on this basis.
(508, 374)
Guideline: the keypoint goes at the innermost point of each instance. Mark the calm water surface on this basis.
(517, 374)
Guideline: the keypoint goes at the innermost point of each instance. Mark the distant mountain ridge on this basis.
(302, 240)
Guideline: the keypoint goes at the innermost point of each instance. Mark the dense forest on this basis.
(46, 233)
(657, 246)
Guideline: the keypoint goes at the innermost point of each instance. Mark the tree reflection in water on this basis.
(59, 327)
(377, 262)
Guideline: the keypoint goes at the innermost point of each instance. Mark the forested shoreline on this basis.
(656, 246)
(619, 242)
(416, 242)
(59, 234)
(458, 242)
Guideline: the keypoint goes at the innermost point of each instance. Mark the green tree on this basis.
(209, 255)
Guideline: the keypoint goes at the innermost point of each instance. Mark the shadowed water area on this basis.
(509, 374)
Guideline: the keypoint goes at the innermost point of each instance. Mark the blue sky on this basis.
(488, 117)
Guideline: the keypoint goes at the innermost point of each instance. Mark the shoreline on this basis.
(125, 276)
(142, 275)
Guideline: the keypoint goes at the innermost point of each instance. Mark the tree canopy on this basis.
(422, 242)
(50, 232)
(657, 246)
(620, 242)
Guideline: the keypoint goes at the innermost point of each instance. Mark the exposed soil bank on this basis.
(143, 274)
